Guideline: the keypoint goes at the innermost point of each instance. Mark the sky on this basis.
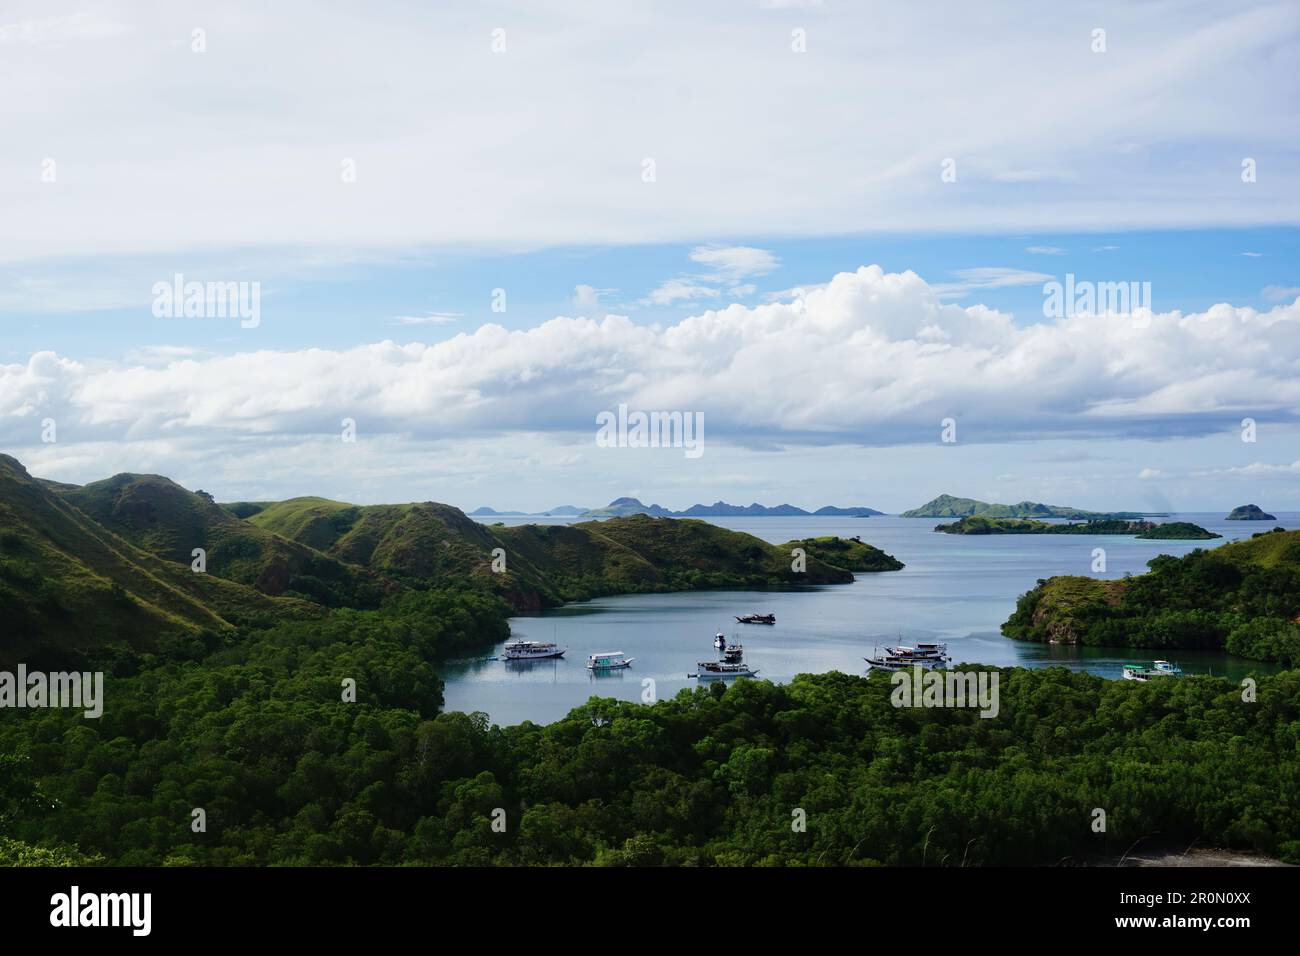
(829, 230)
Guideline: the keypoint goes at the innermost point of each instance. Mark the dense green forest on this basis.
(255, 733)
(1243, 597)
(230, 692)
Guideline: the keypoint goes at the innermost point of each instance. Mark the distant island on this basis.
(623, 507)
(1169, 531)
(947, 506)
(1249, 513)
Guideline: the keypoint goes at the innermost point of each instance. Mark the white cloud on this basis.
(586, 297)
(1278, 293)
(427, 318)
(989, 277)
(1257, 469)
(674, 290)
(872, 357)
(48, 31)
(1045, 250)
(1252, 255)
(735, 262)
(1148, 473)
(449, 153)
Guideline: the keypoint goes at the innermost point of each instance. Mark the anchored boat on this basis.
(733, 653)
(531, 651)
(722, 670)
(608, 661)
(757, 619)
(900, 656)
(1157, 669)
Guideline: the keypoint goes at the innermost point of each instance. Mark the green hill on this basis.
(853, 554)
(1243, 597)
(108, 564)
(1169, 531)
(158, 515)
(68, 585)
(544, 564)
(423, 545)
(947, 506)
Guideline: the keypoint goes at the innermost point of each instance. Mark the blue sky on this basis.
(825, 227)
(339, 306)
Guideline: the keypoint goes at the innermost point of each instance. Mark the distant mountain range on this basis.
(947, 506)
(622, 507)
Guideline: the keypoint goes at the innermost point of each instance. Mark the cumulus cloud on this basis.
(871, 358)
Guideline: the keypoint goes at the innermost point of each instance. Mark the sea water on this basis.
(955, 588)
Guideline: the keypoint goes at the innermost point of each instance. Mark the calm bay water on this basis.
(955, 588)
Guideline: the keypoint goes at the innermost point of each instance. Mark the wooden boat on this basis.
(756, 619)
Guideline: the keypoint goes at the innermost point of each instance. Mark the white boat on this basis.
(720, 642)
(608, 661)
(901, 656)
(733, 653)
(882, 663)
(531, 651)
(1157, 669)
(722, 670)
(919, 654)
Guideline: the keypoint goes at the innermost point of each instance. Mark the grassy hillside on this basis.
(693, 553)
(423, 544)
(852, 554)
(69, 586)
(1243, 597)
(544, 564)
(109, 563)
(161, 517)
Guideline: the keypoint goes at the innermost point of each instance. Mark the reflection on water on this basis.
(955, 589)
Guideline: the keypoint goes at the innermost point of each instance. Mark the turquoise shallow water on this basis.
(955, 588)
